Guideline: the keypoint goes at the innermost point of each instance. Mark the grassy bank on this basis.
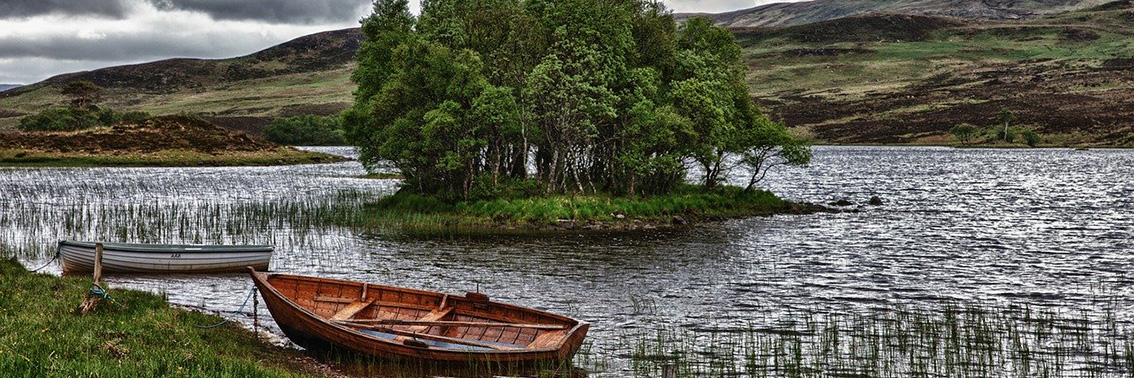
(42, 335)
(412, 212)
(165, 158)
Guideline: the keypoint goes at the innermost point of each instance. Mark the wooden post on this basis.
(98, 262)
(92, 300)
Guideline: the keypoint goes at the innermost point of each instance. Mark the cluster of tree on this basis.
(966, 133)
(580, 96)
(72, 118)
(306, 130)
(83, 112)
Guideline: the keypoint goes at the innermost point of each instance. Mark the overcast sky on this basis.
(43, 38)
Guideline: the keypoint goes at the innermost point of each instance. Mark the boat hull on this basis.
(78, 257)
(314, 331)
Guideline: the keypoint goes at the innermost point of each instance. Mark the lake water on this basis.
(1048, 228)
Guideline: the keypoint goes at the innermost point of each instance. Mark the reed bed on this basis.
(32, 220)
(950, 341)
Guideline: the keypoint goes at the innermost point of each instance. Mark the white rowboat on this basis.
(78, 257)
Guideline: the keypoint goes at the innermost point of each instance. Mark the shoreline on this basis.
(136, 334)
(414, 214)
(976, 147)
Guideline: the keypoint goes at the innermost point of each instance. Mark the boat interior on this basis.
(425, 319)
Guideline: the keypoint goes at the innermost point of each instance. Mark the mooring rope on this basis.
(238, 311)
(53, 259)
(98, 291)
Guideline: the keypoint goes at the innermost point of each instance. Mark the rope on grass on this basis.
(98, 291)
(238, 311)
(53, 259)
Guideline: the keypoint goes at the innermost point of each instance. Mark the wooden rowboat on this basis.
(413, 325)
(78, 257)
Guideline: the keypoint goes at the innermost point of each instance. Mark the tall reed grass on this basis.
(31, 223)
(949, 341)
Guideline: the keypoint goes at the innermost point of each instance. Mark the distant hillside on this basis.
(787, 14)
(901, 77)
(906, 79)
(4, 87)
(308, 75)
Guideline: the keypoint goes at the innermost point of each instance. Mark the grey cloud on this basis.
(132, 46)
(281, 11)
(27, 71)
(10, 9)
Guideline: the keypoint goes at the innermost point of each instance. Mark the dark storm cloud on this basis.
(280, 11)
(10, 9)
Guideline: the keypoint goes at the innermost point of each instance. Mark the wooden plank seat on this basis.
(431, 316)
(351, 309)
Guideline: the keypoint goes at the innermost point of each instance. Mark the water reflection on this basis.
(1046, 228)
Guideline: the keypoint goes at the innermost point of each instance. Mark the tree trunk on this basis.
(552, 177)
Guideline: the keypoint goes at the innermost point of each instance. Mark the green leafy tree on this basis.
(306, 130)
(83, 93)
(1032, 138)
(595, 95)
(1005, 118)
(712, 94)
(388, 27)
(74, 118)
(770, 145)
(964, 132)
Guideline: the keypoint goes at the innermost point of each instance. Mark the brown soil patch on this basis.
(1052, 97)
(1079, 35)
(152, 135)
(866, 28)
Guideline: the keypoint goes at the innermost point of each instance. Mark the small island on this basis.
(167, 141)
(504, 117)
(84, 134)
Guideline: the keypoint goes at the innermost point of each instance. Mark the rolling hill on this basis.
(901, 79)
(788, 14)
(4, 87)
(868, 78)
(307, 75)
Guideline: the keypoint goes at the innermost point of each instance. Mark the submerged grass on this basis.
(138, 335)
(951, 341)
(167, 158)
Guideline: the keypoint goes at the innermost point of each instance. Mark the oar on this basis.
(455, 323)
(452, 340)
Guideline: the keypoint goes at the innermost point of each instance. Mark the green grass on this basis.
(41, 334)
(167, 158)
(412, 212)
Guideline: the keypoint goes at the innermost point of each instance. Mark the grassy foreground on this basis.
(690, 204)
(141, 336)
(165, 158)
